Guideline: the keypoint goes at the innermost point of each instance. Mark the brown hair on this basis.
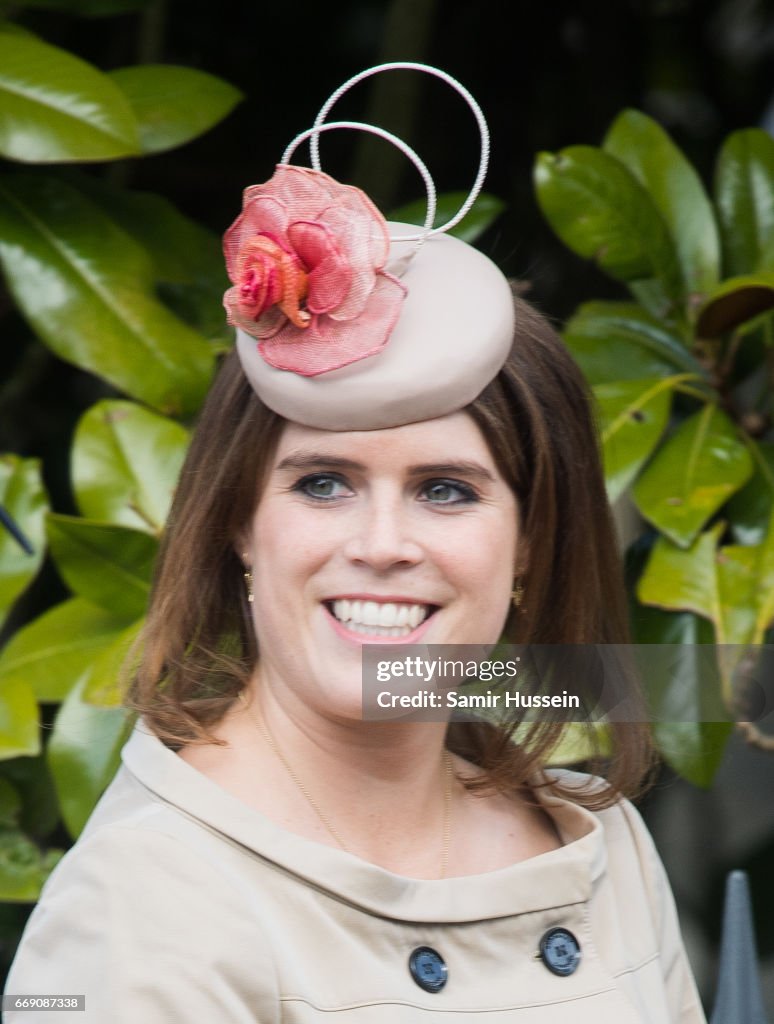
(199, 648)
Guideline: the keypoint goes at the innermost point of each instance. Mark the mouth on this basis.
(389, 619)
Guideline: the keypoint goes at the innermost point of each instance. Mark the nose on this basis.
(384, 535)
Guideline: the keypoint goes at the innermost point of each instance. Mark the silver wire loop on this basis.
(314, 133)
(483, 128)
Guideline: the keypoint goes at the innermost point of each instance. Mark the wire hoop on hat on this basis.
(313, 134)
(483, 129)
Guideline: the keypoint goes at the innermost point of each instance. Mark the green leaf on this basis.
(54, 106)
(10, 804)
(86, 288)
(187, 259)
(654, 626)
(484, 212)
(39, 812)
(53, 652)
(681, 579)
(734, 589)
(731, 587)
(657, 163)
(599, 209)
(182, 251)
(687, 701)
(23, 498)
(125, 464)
(734, 302)
(173, 105)
(749, 510)
(692, 475)
(13, 29)
(764, 585)
(19, 732)
(737, 582)
(110, 566)
(693, 749)
(683, 682)
(614, 341)
(744, 195)
(83, 755)
(105, 683)
(633, 417)
(23, 868)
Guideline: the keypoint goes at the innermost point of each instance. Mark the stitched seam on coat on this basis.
(447, 1009)
(637, 967)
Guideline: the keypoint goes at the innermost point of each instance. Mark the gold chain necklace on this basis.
(448, 779)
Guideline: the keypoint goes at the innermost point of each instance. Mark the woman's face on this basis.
(406, 535)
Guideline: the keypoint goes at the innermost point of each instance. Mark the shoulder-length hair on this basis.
(199, 647)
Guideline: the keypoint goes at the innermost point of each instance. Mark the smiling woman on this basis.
(265, 853)
(413, 522)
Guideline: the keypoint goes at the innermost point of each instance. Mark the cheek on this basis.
(482, 558)
(288, 546)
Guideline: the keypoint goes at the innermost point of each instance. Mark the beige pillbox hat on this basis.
(347, 322)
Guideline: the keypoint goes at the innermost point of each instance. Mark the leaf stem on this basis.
(702, 396)
(755, 737)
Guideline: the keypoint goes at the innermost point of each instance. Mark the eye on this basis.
(322, 486)
(448, 492)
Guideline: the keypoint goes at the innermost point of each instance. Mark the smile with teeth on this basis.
(374, 619)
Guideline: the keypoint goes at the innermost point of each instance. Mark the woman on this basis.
(400, 454)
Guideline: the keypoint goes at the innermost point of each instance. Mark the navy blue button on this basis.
(428, 969)
(560, 951)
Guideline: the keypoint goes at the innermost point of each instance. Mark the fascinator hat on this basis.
(345, 321)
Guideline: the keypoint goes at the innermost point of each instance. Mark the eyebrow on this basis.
(312, 460)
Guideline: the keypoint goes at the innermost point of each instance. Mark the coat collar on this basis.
(558, 878)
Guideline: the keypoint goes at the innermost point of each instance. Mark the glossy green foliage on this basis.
(744, 200)
(600, 210)
(187, 260)
(750, 509)
(693, 749)
(122, 285)
(108, 565)
(87, 289)
(105, 680)
(23, 868)
(83, 754)
(698, 468)
(18, 719)
(54, 651)
(633, 415)
(26, 810)
(54, 106)
(173, 105)
(677, 192)
(24, 499)
(683, 379)
(636, 344)
(125, 465)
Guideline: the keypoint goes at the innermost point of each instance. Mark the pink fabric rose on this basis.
(306, 259)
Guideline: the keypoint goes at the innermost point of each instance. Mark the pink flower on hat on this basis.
(306, 259)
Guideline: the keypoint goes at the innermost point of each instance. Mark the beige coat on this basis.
(181, 904)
